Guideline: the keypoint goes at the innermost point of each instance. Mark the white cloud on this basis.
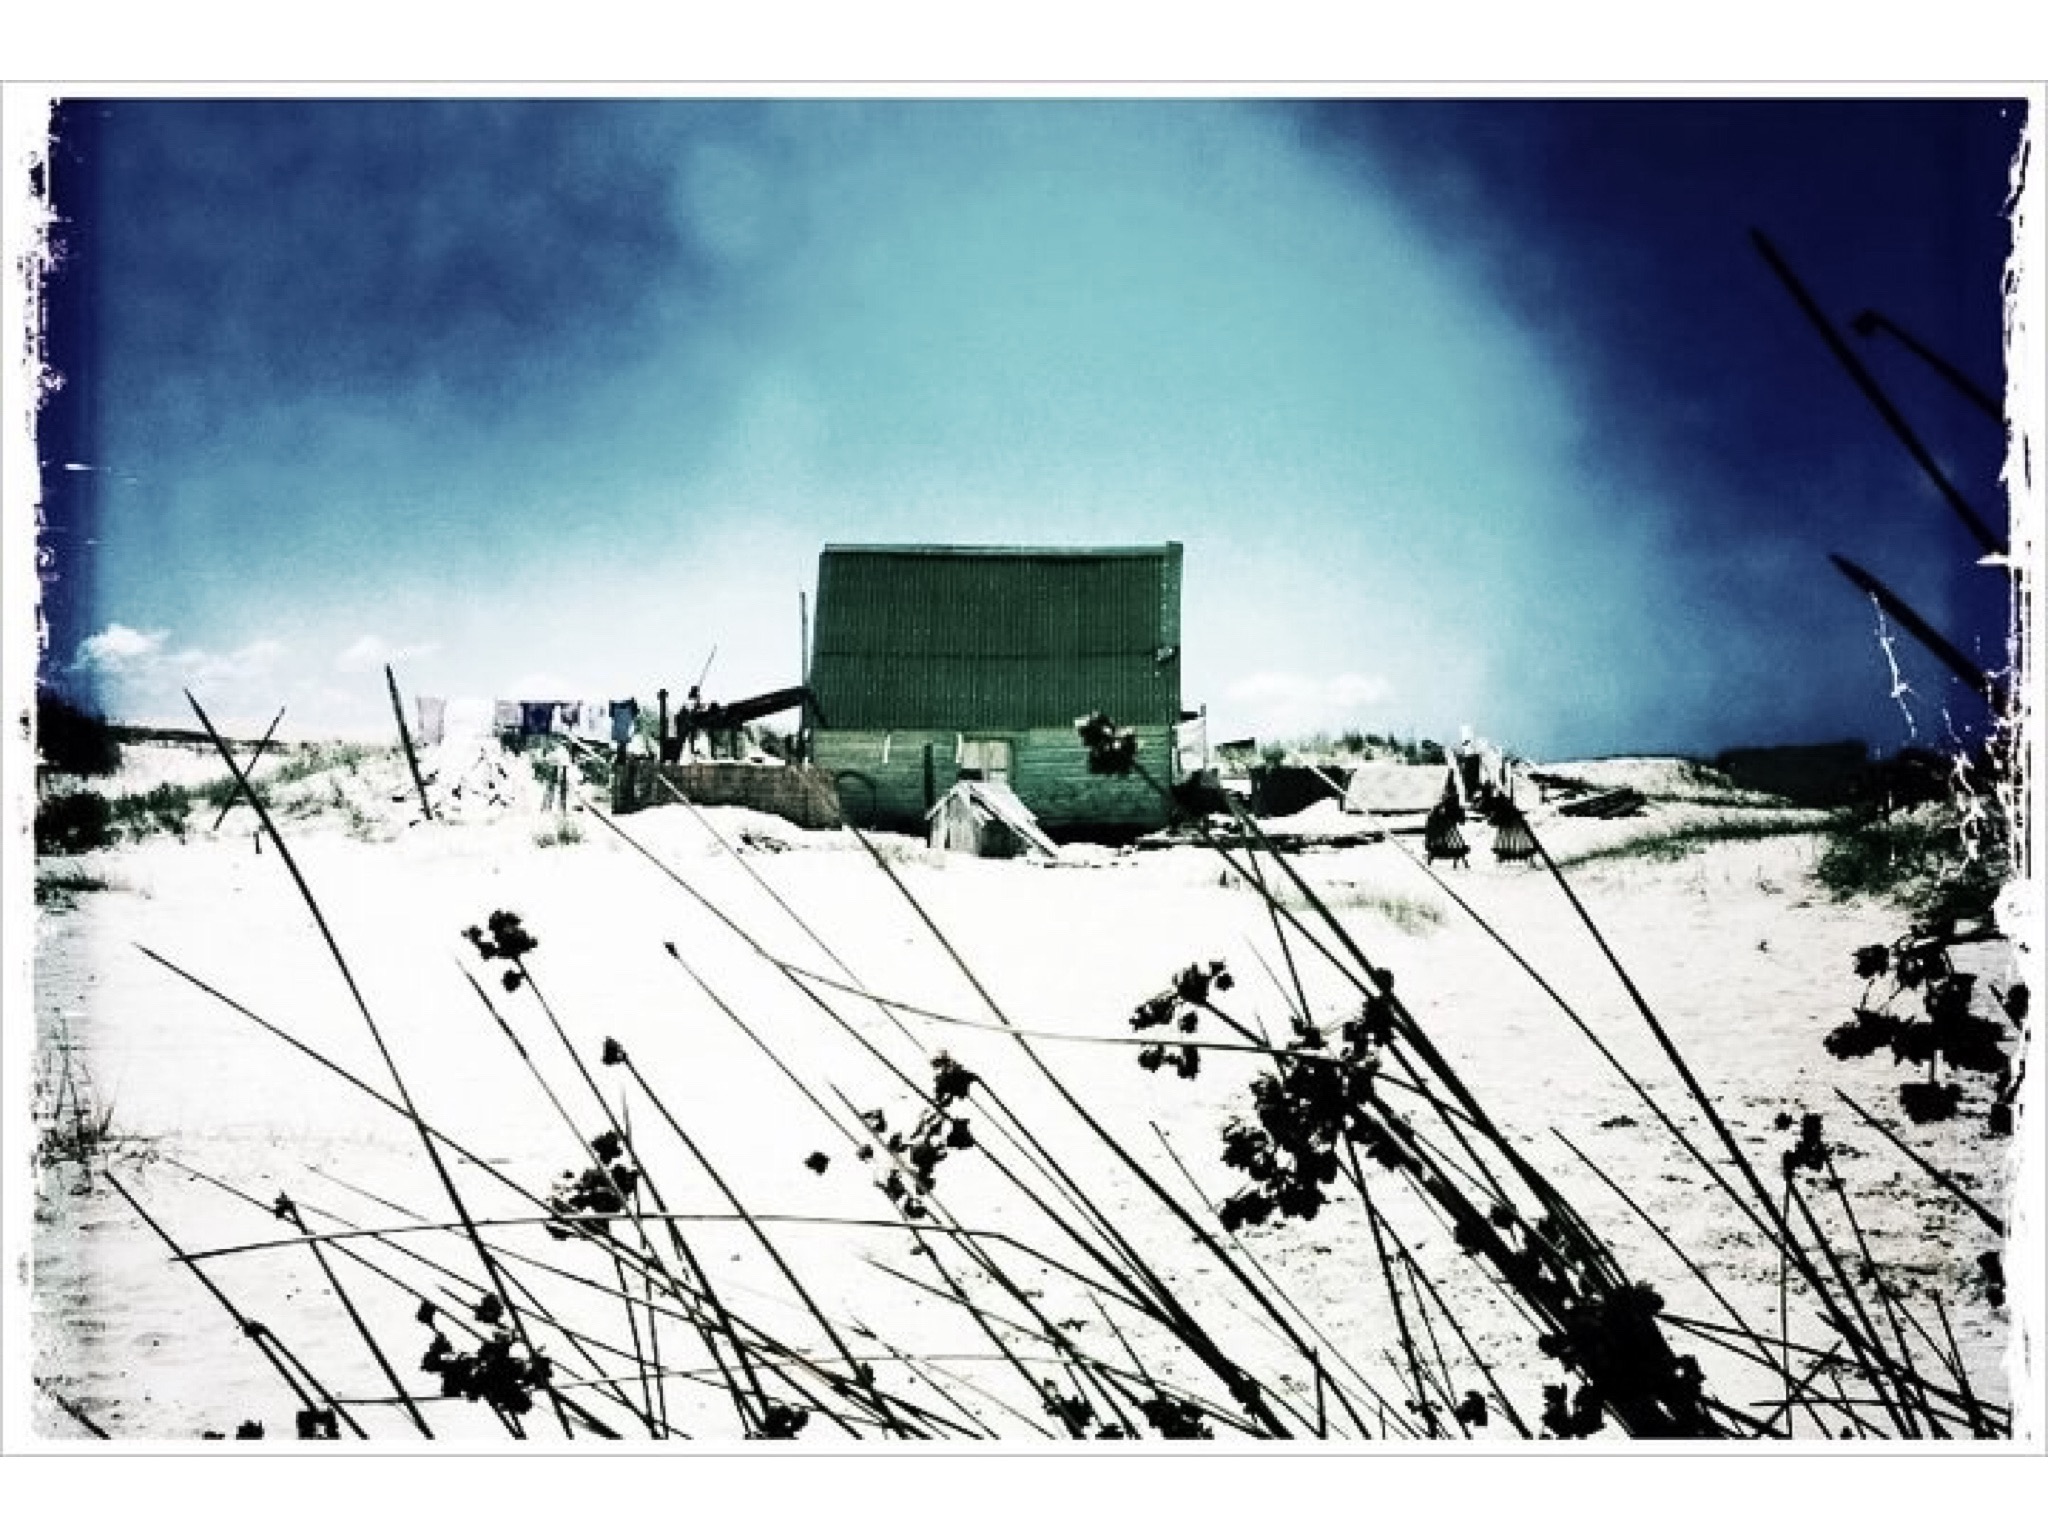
(369, 653)
(118, 648)
(362, 655)
(1276, 703)
(1347, 690)
(1263, 687)
(141, 680)
(1355, 690)
(207, 670)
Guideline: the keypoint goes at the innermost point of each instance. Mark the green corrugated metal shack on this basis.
(930, 663)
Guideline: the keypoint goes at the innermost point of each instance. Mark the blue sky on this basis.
(1474, 413)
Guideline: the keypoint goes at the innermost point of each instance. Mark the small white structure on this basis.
(1480, 771)
(984, 817)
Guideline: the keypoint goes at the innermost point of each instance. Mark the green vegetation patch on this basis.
(1926, 862)
(1671, 844)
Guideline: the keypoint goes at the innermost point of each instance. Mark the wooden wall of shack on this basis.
(919, 649)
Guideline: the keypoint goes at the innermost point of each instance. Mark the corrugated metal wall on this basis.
(970, 639)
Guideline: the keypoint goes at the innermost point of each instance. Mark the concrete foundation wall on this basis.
(802, 795)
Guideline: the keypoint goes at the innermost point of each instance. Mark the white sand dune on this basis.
(1745, 960)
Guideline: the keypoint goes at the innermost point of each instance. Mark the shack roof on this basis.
(971, 637)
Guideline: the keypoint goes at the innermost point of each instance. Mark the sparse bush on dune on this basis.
(1946, 860)
(559, 833)
(1689, 837)
(58, 882)
(1921, 860)
(344, 780)
(80, 819)
(1353, 745)
(327, 757)
(166, 808)
(84, 819)
(77, 1127)
(1409, 914)
(75, 1131)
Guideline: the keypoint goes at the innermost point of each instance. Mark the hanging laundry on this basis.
(625, 719)
(505, 715)
(433, 715)
(536, 718)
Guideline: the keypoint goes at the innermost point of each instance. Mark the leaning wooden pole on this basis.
(1871, 321)
(1937, 644)
(254, 758)
(1853, 366)
(405, 740)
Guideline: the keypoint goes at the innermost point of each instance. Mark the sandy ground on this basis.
(1744, 959)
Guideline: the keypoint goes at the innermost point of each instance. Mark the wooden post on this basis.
(405, 740)
(803, 670)
(255, 758)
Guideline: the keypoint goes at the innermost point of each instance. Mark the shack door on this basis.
(987, 758)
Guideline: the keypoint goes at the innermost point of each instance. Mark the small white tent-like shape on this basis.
(984, 817)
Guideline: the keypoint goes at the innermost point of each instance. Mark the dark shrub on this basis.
(72, 740)
(161, 809)
(1925, 1101)
(73, 823)
(1925, 863)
